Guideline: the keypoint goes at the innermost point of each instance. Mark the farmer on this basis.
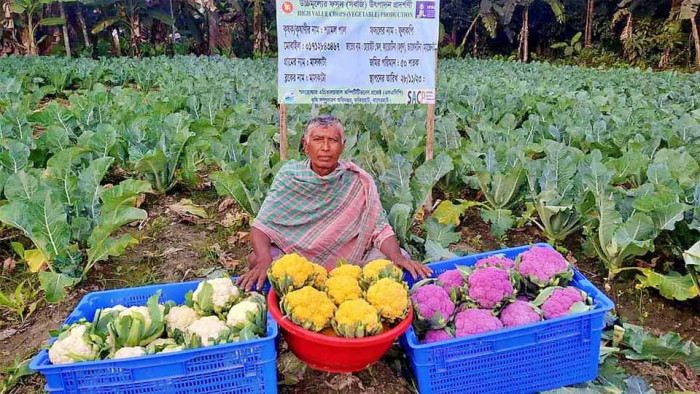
(324, 209)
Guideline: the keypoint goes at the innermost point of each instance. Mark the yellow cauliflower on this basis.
(308, 308)
(390, 297)
(347, 270)
(357, 319)
(342, 288)
(321, 276)
(379, 269)
(290, 272)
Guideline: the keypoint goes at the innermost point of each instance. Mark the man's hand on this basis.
(254, 278)
(415, 268)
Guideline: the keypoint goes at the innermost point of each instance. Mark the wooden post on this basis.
(283, 131)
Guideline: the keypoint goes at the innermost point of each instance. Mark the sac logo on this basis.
(416, 97)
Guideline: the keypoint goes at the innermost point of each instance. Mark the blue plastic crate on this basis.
(246, 367)
(530, 358)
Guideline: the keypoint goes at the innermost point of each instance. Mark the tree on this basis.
(588, 35)
(523, 40)
(689, 10)
(31, 12)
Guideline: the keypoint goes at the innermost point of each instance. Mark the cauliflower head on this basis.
(389, 297)
(354, 271)
(321, 276)
(557, 301)
(127, 352)
(475, 321)
(544, 267)
(490, 287)
(309, 308)
(138, 325)
(291, 272)
(454, 283)
(432, 306)
(496, 260)
(73, 345)
(252, 311)
(206, 331)
(379, 269)
(341, 288)
(436, 336)
(356, 319)
(519, 313)
(179, 318)
(215, 296)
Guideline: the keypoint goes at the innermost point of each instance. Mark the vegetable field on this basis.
(123, 172)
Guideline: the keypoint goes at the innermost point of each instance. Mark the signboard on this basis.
(357, 51)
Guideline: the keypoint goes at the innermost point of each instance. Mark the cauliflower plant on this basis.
(251, 312)
(432, 306)
(354, 271)
(475, 321)
(308, 308)
(519, 313)
(496, 260)
(436, 336)
(341, 288)
(127, 352)
(178, 319)
(379, 269)
(557, 301)
(206, 331)
(214, 296)
(356, 319)
(291, 272)
(390, 298)
(544, 267)
(74, 344)
(490, 287)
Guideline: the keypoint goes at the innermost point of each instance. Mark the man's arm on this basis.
(391, 249)
(263, 259)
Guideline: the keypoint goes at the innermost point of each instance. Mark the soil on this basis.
(177, 247)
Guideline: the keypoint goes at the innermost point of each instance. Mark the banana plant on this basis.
(32, 11)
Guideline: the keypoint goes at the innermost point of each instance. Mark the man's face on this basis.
(324, 147)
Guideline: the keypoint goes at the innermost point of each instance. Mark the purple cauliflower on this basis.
(436, 336)
(558, 301)
(453, 282)
(519, 313)
(433, 306)
(544, 267)
(490, 287)
(497, 260)
(475, 321)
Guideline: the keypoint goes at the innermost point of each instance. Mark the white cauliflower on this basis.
(208, 329)
(72, 346)
(223, 294)
(142, 310)
(116, 308)
(180, 317)
(238, 314)
(126, 352)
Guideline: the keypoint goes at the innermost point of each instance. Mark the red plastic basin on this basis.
(331, 354)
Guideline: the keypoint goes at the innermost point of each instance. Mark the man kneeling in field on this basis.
(324, 209)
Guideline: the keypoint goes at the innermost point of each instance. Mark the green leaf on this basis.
(21, 187)
(671, 286)
(400, 220)
(52, 21)
(398, 179)
(576, 38)
(103, 25)
(230, 184)
(205, 298)
(668, 348)
(54, 285)
(89, 183)
(15, 156)
(427, 175)
(154, 165)
(59, 174)
(100, 242)
(440, 233)
(17, 8)
(124, 194)
(49, 225)
(435, 252)
(501, 220)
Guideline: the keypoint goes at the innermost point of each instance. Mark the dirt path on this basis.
(179, 246)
